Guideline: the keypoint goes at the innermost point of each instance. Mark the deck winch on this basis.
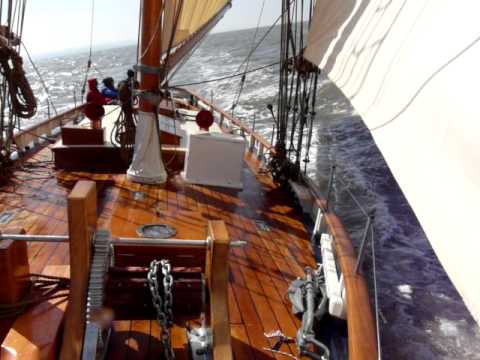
(105, 278)
(318, 293)
(115, 278)
(309, 300)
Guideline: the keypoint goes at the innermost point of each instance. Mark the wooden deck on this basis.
(260, 272)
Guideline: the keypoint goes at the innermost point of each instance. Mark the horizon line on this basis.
(112, 45)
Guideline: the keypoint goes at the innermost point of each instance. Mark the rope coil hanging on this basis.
(24, 104)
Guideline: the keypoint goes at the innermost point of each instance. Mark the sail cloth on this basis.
(189, 16)
(411, 70)
(147, 165)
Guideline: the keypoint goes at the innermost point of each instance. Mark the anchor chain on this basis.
(163, 306)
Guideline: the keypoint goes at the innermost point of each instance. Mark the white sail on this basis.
(186, 17)
(411, 69)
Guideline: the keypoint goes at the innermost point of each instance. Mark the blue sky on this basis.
(56, 25)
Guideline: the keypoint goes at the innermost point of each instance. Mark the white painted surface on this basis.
(336, 305)
(215, 159)
(183, 128)
(147, 165)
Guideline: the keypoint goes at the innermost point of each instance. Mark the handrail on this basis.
(234, 120)
(32, 133)
(353, 262)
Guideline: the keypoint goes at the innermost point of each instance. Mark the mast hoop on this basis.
(147, 69)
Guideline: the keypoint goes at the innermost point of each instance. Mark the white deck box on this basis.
(215, 159)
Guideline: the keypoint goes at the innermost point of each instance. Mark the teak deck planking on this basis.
(260, 272)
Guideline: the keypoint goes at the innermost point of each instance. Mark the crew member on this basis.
(108, 89)
(94, 108)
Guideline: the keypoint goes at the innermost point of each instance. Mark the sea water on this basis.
(421, 314)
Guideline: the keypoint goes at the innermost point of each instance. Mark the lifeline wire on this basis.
(42, 81)
(242, 81)
(89, 62)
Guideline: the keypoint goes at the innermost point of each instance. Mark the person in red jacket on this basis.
(94, 108)
(93, 94)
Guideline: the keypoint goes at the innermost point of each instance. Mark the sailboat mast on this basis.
(150, 49)
(147, 164)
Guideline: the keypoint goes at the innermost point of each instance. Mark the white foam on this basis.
(448, 328)
(405, 291)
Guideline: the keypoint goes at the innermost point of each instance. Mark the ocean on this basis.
(422, 314)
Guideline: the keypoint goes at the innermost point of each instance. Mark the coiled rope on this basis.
(24, 104)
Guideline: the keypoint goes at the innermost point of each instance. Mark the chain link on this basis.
(167, 308)
(163, 306)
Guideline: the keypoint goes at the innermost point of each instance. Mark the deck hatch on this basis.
(159, 231)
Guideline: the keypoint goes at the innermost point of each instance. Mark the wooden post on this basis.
(36, 334)
(14, 268)
(217, 280)
(82, 219)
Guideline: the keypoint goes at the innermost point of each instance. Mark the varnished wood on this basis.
(95, 158)
(259, 273)
(169, 139)
(82, 219)
(150, 48)
(35, 335)
(14, 268)
(31, 133)
(362, 340)
(361, 325)
(129, 255)
(217, 279)
(128, 295)
(80, 135)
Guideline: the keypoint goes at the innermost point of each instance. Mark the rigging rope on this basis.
(227, 76)
(375, 290)
(269, 30)
(12, 93)
(296, 95)
(181, 64)
(89, 62)
(242, 81)
(24, 104)
(42, 81)
(172, 37)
